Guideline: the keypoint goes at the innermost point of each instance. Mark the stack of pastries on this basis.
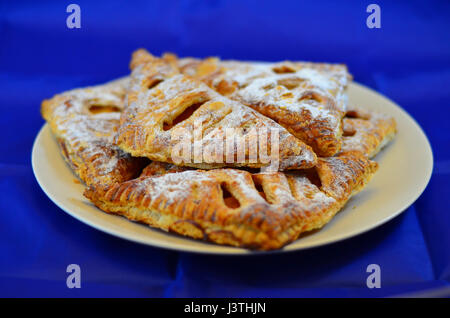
(118, 138)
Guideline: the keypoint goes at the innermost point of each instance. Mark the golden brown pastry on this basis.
(167, 111)
(84, 122)
(242, 208)
(308, 99)
(367, 131)
(233, 207)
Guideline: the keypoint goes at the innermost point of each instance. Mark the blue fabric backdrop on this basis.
(408, 60)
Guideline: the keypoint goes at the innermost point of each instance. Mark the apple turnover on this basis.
(105, 131)
(168, 114)
(261, 211)
(308, 99)
(84, 122)
(367, 131)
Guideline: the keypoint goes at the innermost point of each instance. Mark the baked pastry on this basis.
(367, 131)
(308, 99)
(260, 210)
(234, 207)
(84, 122)
(169, 114)
(245, 208)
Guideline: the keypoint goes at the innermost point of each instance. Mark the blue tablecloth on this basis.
(407, 59)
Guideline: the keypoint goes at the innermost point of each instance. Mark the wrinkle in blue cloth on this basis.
(408, 60)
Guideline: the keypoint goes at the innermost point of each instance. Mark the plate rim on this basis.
(235, 251)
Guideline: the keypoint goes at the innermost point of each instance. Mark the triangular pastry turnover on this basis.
(225, 206)
(264, 210)
(84, 122)
(174, 118)
(367, 131)
(308, 99)
(234, 207)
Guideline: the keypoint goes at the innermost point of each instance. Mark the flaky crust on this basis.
(159, 95)
(234, 207)
(367, 131)
(241, 208)
(84, 122)
(308, 99)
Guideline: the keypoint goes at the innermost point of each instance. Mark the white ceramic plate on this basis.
(405, 169)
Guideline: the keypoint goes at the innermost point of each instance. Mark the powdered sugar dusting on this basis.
(309, 195)
(369, 132)
(308, 99)
(258, 82)
(173, 186)
(88, 133)
(160, 105)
